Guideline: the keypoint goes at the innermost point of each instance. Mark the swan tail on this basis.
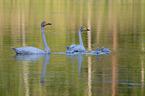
(67, 47)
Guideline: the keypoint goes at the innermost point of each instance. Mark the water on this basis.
(117, 25)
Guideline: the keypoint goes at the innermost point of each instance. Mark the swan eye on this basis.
(44, 24)
(82, 28)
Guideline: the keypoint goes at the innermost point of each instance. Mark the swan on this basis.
(78, 48)
(33, 50)
(97, 51)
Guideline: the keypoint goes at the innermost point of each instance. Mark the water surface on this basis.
(117, 25)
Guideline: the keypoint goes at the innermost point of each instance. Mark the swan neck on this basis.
(47, 49)
(80, 39)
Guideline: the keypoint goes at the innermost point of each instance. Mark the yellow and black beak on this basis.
(87, 29)
(48, 23)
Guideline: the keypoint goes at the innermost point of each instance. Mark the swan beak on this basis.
(87, 29)
(48, 23)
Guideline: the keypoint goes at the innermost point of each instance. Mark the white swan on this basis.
(78, 48)
(33, 50)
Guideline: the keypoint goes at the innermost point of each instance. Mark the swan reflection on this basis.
(32, 58)
(46, 60)
(28, 57)
(75, 57)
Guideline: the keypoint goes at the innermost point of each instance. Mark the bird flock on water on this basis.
(70, 49)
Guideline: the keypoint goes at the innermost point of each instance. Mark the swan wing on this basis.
(71, 46)
(76, 48)
(28, 50)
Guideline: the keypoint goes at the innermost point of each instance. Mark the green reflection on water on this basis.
(116, 24)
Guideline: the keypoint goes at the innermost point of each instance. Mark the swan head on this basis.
(43, 24)
(97, 49)
(102, 48)
(84, 29)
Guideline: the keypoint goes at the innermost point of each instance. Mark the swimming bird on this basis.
(78, 48)
(104, 49)
(33, 50)
(97, 51)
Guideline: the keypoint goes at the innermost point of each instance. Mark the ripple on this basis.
(77, 53)
(132, 83)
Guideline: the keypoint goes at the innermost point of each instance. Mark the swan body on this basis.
(78, 48)
(33, 50)
(28, 50)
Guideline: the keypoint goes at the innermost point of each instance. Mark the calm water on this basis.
(115, 24)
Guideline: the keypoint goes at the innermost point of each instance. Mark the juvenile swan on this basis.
(78, 48)
(33, 50)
